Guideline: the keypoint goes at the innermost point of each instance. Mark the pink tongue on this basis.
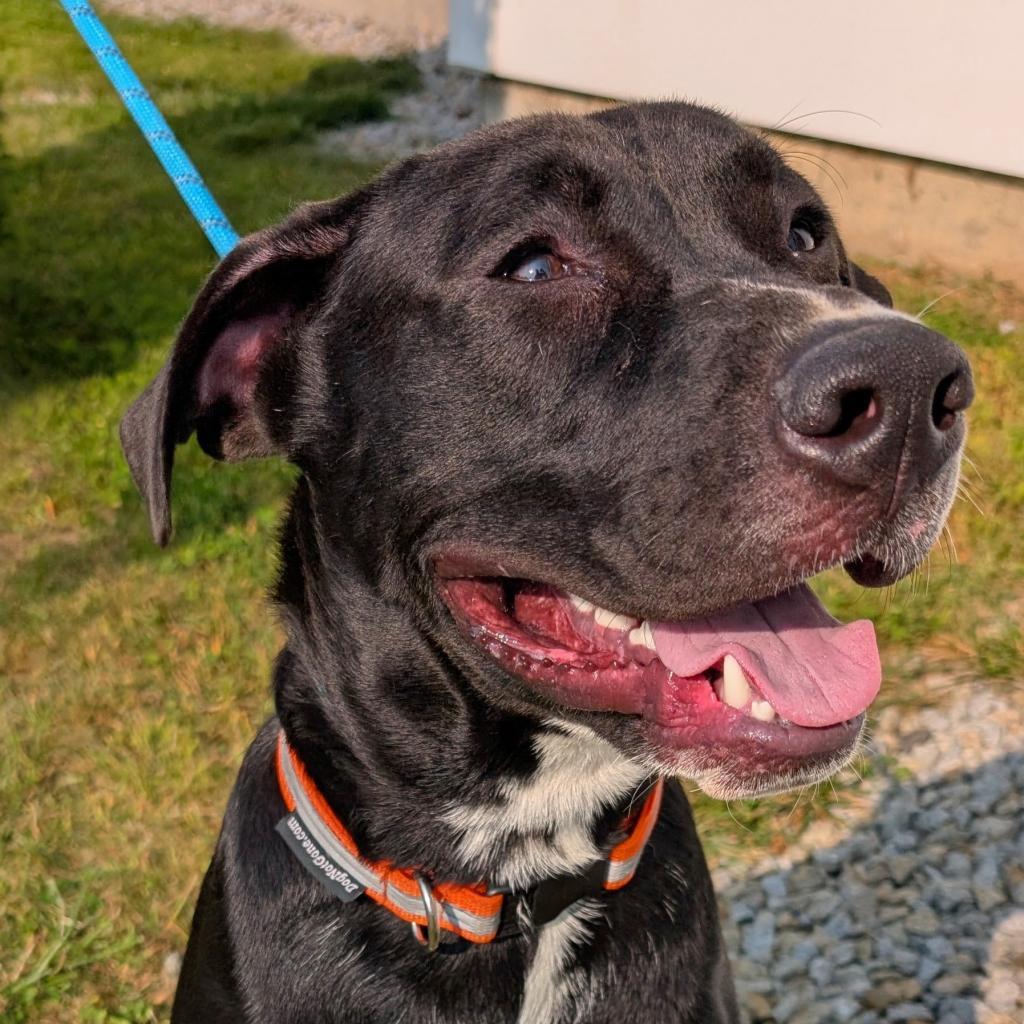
(812, 669)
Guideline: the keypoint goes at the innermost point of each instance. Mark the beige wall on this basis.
(913, 211)
(937, 79)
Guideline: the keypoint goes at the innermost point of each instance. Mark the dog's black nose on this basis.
(862, 399)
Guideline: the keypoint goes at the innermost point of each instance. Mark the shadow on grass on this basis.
(218, 510)
(100, 260)
(99, 254)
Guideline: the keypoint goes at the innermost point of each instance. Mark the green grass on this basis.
(131, 679)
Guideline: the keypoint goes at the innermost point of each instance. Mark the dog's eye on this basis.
(539, 267)
(800, 239)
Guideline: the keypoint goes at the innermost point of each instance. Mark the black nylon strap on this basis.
(548, 900)
(554, 895)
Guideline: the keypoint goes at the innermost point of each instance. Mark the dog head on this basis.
(582, 403)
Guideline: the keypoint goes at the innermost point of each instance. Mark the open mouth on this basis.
(762, 686)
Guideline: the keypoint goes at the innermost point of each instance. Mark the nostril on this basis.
(857, 412)
(950, 397)
(829, 412)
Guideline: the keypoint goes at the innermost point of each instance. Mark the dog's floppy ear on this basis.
(870, 286)
(232, 351)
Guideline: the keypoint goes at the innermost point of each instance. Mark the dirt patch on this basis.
(322, 31)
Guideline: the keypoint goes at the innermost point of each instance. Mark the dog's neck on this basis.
(417, 765)
(524, 802)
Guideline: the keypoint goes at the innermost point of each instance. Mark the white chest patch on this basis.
(542, 827)
(551, 981)
(545, 822)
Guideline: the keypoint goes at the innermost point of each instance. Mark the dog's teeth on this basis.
(642, 636)
(602, 617)
(610, 620)
(735, 688)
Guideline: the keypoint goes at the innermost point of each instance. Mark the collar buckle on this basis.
(432, 939)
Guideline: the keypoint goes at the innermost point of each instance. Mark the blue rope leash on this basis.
(156, 130)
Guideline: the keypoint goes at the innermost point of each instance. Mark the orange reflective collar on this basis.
(327, 850)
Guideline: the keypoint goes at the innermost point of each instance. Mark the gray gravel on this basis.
(911, 911)
(448, 106)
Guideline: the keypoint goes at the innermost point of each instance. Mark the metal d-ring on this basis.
(433, 937)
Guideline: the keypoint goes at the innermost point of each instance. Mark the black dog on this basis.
(622, 356)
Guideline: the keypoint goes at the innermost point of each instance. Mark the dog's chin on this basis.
(891, 548)
(759, 698)
(757, 772)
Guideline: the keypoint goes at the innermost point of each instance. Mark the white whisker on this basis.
(924, 309)
(834, 110)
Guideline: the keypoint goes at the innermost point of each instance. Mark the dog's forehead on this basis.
(659, 140)
(623, 163)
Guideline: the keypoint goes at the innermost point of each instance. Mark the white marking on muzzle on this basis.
(823, 308)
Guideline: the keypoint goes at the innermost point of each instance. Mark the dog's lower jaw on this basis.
(722, 782)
